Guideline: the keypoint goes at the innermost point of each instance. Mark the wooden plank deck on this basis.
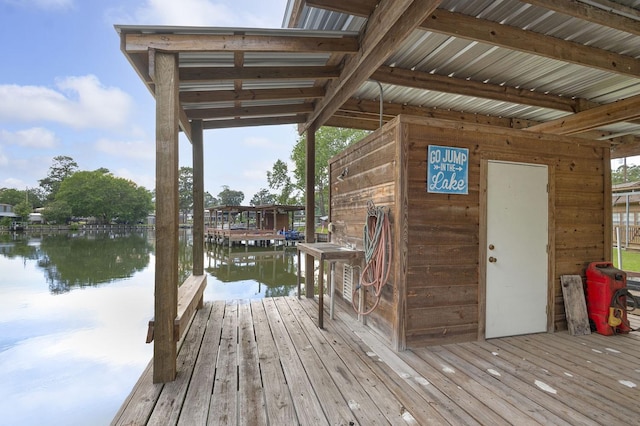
(265, 362)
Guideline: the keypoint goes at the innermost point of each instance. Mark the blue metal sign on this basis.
(447, 170)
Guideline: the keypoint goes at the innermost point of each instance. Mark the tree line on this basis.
(67, 192)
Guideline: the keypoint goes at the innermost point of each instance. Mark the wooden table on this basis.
(331, 253)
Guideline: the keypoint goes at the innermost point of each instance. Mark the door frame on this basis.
(551, 255)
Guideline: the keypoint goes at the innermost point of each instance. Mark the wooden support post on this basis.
(198, 198)
(310, 208)
(165, 77)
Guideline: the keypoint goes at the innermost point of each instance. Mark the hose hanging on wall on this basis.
(377, 254)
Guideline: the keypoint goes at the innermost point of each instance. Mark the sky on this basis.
(67, 89)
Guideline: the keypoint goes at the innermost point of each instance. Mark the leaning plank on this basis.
(196, 405)
(169, 406)
(251, 410)
(278, 400)
(575, 305)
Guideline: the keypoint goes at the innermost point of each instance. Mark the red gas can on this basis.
(602, 282)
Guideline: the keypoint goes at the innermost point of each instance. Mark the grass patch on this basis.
(630, 260)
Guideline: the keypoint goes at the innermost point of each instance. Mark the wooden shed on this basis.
(486, 261)
(532, 92)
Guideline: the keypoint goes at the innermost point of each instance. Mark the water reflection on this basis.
(79, 260)
(252, 272)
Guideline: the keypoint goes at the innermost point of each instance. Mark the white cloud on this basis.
(79, 102)
(258, 142)
(36, 137)
(212, 13)
(137, 150)
(42, 4)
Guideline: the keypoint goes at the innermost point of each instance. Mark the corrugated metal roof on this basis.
(554, 85)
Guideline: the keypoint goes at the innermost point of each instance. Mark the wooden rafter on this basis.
(438, 83)
(624, 110)
(596, 15)
(254, 111)
(246, 43)
(251, 95)
(246, 122)
(204, 74)
(388, 26)
(468, 27)
(471, 28)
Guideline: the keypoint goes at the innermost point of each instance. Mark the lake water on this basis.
(74, 309)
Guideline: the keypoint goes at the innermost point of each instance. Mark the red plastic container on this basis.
(602, 282)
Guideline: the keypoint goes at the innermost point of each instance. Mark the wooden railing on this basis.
(190, 299)
(633, 238)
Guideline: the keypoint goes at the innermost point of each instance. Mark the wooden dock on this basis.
(266, 362)
(256, 237)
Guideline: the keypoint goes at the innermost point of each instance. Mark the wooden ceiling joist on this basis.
(191, 75)
(256, 111)
(596, 15)
(471, 28)
(439, 83)
(251, 95)
(140, 43)
(389, 25)
(624, 110)
(510, 37)
(247, 122)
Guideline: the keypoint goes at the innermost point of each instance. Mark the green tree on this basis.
(329, 142)
(210, 200)
(620, 175)
(279, 179)
(229, 197)
(11, 196)
(62, 167)
(101, 195)
(262, 198)
(57, 212)
(185, 190)
(23, 209)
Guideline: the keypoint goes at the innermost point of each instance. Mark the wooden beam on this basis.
(247, 122)
(242, 43)
(439, 83)
(624, 110)
(628, 147)
(251, 95)
(611, 15)
(206, 74)
(510, 37)
(185, 125)
(198, 197)
(296, 12)
(471, 28)
(256, 111)
(310, 208)
(166, 269)
(388, 26)
(358, 8)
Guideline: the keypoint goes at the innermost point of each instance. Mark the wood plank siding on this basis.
(266, 362)
(436, 295)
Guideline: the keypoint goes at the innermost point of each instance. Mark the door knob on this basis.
(493, 259)
(491, 246)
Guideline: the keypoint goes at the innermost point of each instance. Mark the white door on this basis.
(517, 256)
